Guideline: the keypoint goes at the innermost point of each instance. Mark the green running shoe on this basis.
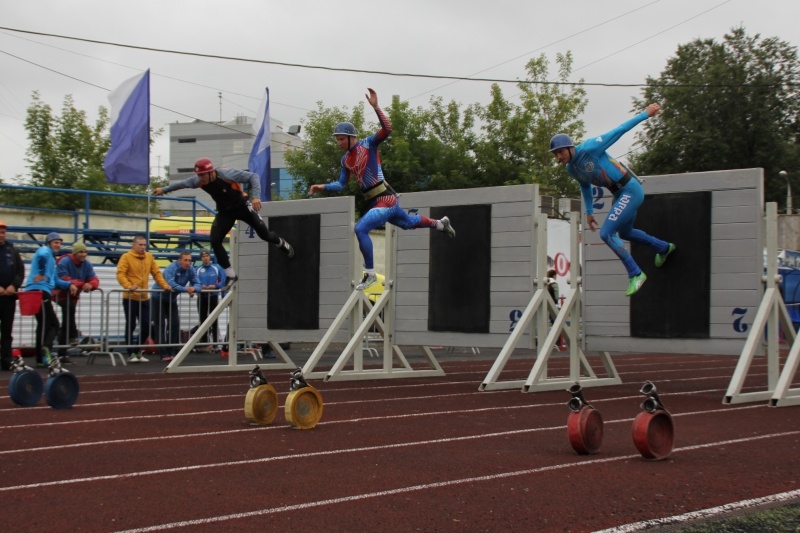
(635, 284)
(662, 258)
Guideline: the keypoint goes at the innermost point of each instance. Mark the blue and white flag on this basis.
(260, 158)
(128, 158)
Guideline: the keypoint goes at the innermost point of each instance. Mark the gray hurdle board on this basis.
(337, 260)
(737, 264)
(513, 261)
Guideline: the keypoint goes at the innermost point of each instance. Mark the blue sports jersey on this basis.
(591, 164)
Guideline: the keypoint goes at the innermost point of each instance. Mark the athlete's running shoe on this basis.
(286, 248)
(662, 258)
(635, 284)
(229, 283)
(448, 227)
(367, 281)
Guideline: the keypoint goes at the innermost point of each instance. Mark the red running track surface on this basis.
(173, 452)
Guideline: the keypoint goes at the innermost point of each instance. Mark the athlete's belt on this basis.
(623, 181)
(375, 190)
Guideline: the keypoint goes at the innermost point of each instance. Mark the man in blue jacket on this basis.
(78, 271)
(181, 277)
(212, 278)
(43, 277)
(590, 165)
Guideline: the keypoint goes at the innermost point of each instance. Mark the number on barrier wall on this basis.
(738, 325)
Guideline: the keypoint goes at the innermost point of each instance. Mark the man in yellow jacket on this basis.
(133, 270)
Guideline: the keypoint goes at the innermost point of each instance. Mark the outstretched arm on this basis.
(606, 140)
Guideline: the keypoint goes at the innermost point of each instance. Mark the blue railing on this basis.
(110, 243)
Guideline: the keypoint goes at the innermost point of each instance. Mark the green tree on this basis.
(514, 149)
(318, 161)
(726, 105)
(450, 146)
(428, 149)
(65, 152)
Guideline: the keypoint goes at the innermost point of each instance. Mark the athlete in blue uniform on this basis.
(590, 164)
(362, 160)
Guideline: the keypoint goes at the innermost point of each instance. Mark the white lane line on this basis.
(346, 402)
(347, 450)
(711, 512)
(429, 486)
(362, 388)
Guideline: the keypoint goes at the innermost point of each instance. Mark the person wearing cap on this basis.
(43, 277)
(133, 271)
(224, 185)
(12, 273)
(182, 278)
(78, 271)
(590, 165)
(362, 160)
(212, 279)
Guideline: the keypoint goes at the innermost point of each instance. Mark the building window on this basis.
(182, 141)
(185, 170)
(238, 147)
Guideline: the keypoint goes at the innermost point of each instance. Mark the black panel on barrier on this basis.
(293, 286)
(460, 270)
(675, 301)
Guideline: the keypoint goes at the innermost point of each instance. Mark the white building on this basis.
(227, 144)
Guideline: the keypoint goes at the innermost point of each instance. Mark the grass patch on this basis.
(784, 519)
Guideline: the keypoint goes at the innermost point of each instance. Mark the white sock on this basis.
(230, 272)
(439, 225)
(370, 271)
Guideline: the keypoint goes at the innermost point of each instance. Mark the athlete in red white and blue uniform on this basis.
(362, 160)
(590, 164)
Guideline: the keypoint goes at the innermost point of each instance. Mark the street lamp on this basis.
(785, 175)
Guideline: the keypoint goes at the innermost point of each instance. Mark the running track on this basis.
(154, 452)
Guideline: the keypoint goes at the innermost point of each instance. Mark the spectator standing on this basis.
(181, 277)
(212, 278)
(362, 160)
(12, 273)
(224, 185)
(78, 271)
(133, 270)
(43, 278)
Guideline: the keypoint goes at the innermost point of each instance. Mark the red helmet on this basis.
(203, 165)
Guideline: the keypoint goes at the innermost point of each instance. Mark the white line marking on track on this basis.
(428, 486)
(346, 402)
(355, 450)
(711, 512)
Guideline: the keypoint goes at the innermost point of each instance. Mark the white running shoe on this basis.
(367, 281)
(448, 228)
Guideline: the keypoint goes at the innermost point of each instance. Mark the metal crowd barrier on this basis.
(101, 327)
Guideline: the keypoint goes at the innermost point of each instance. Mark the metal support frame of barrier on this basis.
(772, 315)
(580, 371)
(176, 365)
(567, 320)
(360, 326)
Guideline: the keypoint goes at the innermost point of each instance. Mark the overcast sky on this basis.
(614, 41)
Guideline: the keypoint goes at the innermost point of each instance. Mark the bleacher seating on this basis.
(109, 244)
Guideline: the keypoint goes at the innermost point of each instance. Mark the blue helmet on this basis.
(52, 236)
(345, 128)
(560, 140)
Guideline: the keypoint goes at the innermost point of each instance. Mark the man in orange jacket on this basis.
(133, 270)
